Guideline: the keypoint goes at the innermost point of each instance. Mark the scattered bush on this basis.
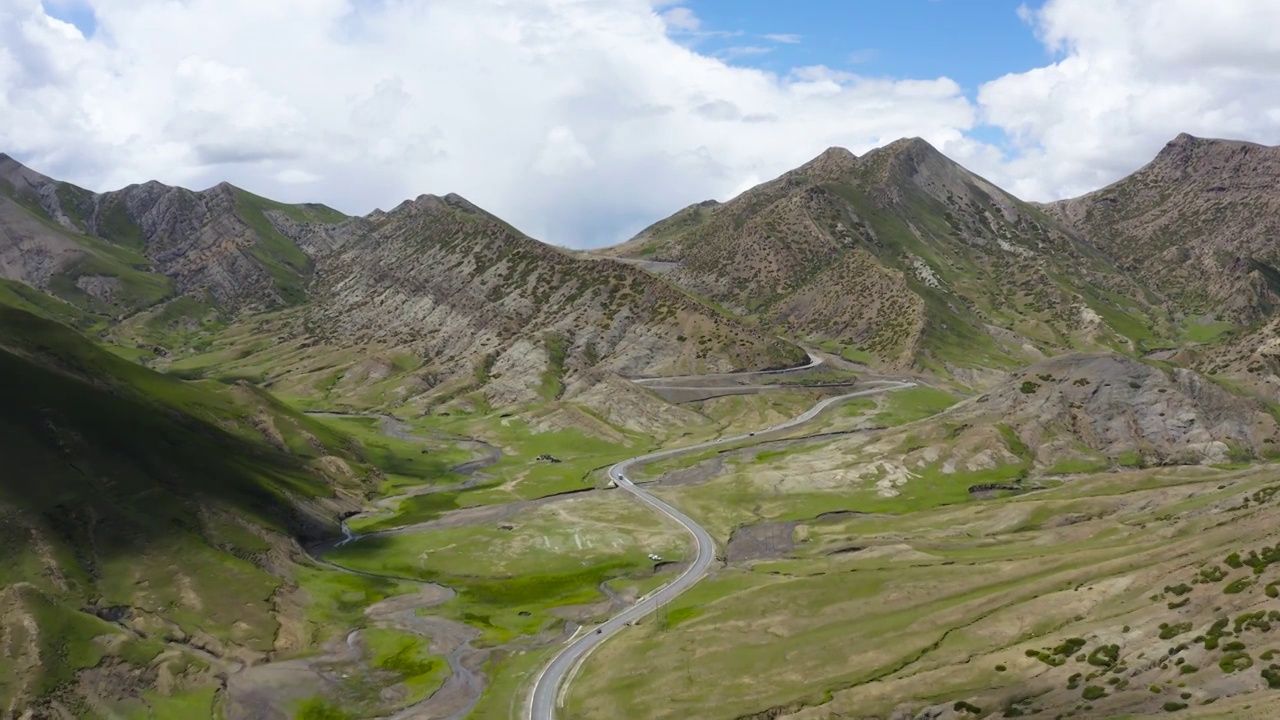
(966, 707)
(1236, 587)
(1272, 675)
(1212, 574)
(1093, 692)
(1174, 706)
(1029, 388)
(1168, 631)
(1235, 662)
(1105, 655)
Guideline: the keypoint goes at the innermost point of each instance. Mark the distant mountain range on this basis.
(898, 259)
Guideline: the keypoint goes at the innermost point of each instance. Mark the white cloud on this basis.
(582, 120)
(681, 19)
(1131, 75)
(293, 176)
(577, 120)
(788, 38)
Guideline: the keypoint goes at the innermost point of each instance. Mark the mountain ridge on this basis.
(902, 222)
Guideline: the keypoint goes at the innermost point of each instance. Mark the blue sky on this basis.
(970, 42)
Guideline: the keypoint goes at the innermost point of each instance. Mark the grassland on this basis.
(517, 475)
(160, 503)
(959, 603)
(512, 575)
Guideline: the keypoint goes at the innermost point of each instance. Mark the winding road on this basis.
(552, 682)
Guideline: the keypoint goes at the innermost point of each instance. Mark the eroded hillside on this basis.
(907, 256)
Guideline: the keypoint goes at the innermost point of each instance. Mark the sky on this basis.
(582, 121)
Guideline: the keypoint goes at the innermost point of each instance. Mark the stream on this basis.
(250, 689)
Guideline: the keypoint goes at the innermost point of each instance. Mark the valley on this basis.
(874, 439)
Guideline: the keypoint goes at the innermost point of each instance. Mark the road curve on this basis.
(814, 361)
(549, 683)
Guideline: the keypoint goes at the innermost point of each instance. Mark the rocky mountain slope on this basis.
(471, 300)
(1081, 413)
(1199, 224)
(151, 527)
(436, 279)
(904, 254)
(122, 251)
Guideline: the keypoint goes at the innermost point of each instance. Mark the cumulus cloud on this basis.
(580, 121)
(1130, 76)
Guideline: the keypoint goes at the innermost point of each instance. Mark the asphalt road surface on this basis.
(547, 688)
(814, 361)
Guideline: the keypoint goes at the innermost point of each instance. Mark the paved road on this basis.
(814, 361)
(547, 688)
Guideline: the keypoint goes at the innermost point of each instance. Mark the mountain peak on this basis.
(16, 173)
(833, 162)
(1190, 156)
(911, 145)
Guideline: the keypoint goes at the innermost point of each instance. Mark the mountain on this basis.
(903, 254)
(151, 526)
(453, 292)
(119, 252)
(465, 298)
(1199, 224)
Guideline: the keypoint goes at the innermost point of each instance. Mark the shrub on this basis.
(1237, 586)
(1093, 692)
(1212, 574)
(1272, 675)
(1105, 655)
(1168, 631)
(1174, 706)
(1001, 668)
(1235, 662)
(966, 707)
(1029, 388)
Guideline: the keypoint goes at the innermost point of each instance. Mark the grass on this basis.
(518, 475)
(407, 656)
(1205, 332)
(939, 595)
(290, 268)
(336, 600)
(911, 404)
(127, 487)
(552, 556)
(181, 705)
